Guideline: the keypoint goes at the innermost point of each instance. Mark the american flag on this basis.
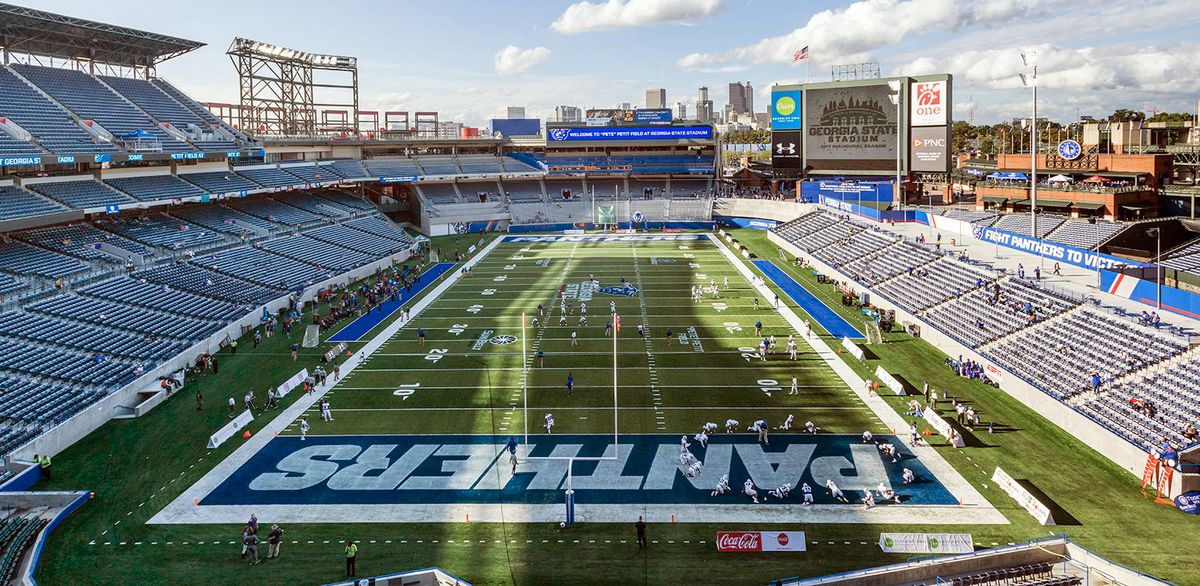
(801, 54)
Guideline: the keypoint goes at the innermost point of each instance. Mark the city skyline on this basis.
(545, 58)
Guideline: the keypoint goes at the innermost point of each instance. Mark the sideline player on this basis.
(807, 490)
(787, 423)
(731, 425)
(549, 423)
(303, 429)
(795, 384)
(835, 492)
(722, 486)
(702, 438)
(791, 348)
(748, 489)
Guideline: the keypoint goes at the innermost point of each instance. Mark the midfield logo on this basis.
(423, 469)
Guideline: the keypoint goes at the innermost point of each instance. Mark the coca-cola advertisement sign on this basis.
(754, 541)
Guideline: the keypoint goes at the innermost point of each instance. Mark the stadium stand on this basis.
(81, 194)
(523, 191)
(438, 166)
(346, 169)
(194, 279)
(347, 237)
(151, 99)
(80, 335)
(50, 126)
(520, 163)
(262, 267)
(1022, 224)
(381, 226)
(391, 167)
(981, 218)
(22, 259)
(270, 177)
(155, 187)
(221, 219)
(1053, 340)
(163, 231)
(273, 211)
(439, 193)
(346, 200)
(1083, 234)
(124, 317)
(220, 182)
(315, 205)
(79, 240)
(16, 536)
(312, 173)
(199, 110)
(321, 253)
(483, 164)
(18, 203)
(162, 298)
(90, 99)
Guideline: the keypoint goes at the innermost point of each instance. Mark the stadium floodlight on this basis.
(1030, 81)
(896, 99)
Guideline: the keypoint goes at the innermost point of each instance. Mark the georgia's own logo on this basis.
(929, 94)
(503, 340)
(785, 148)
(785, 106)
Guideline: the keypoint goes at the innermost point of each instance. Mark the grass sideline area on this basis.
(154, 458)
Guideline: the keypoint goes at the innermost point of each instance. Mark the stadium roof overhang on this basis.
(36, 32)
(1089, 205)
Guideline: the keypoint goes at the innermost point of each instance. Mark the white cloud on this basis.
(512, 59)
(587, 16)
(852, 33)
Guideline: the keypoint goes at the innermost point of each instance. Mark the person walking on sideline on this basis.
(512, 453)
(641, 533)
(351, 558)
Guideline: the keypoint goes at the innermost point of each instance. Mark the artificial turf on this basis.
(154, 458)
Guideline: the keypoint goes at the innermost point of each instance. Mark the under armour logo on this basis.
(785, 148)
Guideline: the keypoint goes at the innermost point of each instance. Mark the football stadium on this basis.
(292, 340)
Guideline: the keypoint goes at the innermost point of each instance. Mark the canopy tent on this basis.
(1095, 179)
(138, 133)
(1059, 179)
(1089, 205)
(999, 199)
(1054, 203)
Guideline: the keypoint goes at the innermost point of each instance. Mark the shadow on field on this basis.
(1059, 514)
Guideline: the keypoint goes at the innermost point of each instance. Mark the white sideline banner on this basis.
(230, 429)
(926, 542)
(291, 383)
(942, 427)
(889, 380)
(853, 349)
(1039, 511)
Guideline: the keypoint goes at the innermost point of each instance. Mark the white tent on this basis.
(1059, 179)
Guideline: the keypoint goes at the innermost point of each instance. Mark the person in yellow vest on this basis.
(44, 462)
(351, 557)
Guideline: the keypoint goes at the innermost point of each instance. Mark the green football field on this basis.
(467, 376)
(138, 467)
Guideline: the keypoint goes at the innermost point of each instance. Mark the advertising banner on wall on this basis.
(928, 103)
(630, 133)
(926, 542)
(786, 149)
(928, 149)
(618, 116)
(851, 128)
(785, 110)
(757, 541)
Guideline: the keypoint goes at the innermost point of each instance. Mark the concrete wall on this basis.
(927, 571)
(766, 209)
(81, 424)
(1100, 438)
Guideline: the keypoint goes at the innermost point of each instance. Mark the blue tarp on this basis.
(139, 133)
(358, 328)
(821, 313)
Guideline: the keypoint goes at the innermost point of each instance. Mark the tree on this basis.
(961, 133)
(1124, 115)
(987, 146)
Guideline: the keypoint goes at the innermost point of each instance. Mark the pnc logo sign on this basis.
(919, 143)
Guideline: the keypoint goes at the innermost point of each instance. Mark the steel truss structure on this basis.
(278, 92)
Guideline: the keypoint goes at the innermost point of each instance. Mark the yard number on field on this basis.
(474, 308)
(457, 329)
(406, 391)
(768, 385)
(435, 354)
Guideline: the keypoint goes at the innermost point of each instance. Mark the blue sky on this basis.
(469, 59)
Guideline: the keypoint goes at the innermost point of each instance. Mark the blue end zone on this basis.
(359, 327)
(827, 318)
(475, 469)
